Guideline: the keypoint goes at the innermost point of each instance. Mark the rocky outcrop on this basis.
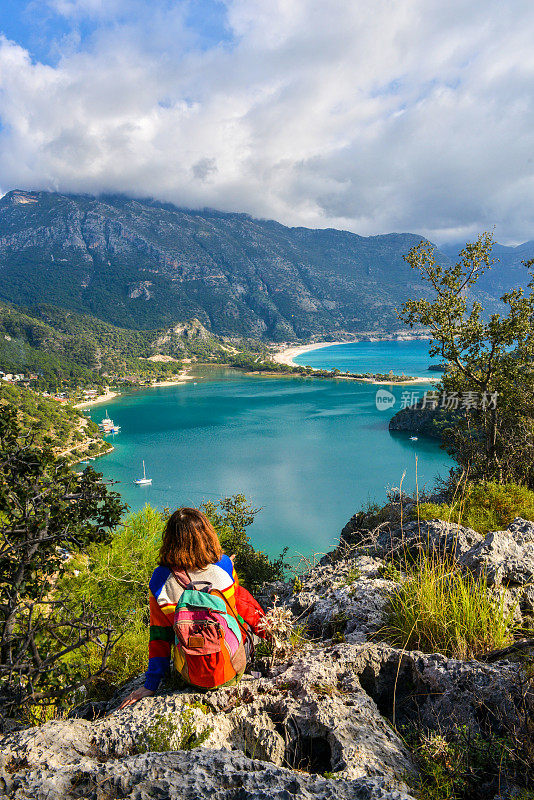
(341, 595)
(326, 712)
(422, 421)
(319, 722)
(311, 713)
(387, 539)
(210, 774)
(506, 558)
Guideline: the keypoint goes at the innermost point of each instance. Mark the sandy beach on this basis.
(103, 398)
(182, 378)
(287, 355)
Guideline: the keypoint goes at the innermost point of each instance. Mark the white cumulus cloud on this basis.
(371, 115)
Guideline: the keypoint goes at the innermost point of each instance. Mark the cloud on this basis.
(375, 115)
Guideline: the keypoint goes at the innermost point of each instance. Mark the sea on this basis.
(308, 453)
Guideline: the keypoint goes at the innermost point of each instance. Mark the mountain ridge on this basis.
(143, 264)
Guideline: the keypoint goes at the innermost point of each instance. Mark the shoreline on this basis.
(103, 398)
(286, 355)
(182, 378)
(297, 375)
(110, 395)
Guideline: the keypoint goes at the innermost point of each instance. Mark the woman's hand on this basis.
(135, 696)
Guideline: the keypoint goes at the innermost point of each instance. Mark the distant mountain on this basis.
(508, 273)
(142, 265)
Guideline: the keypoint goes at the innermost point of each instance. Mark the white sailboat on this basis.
(144, 481)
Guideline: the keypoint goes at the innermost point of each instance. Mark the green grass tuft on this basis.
(439, 608)
(484, 507)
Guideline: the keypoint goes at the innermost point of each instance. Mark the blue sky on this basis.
(369, 115)
(42, 28)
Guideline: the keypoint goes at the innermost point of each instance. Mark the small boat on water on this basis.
(108, 426)
(414, 438)
(144, 481)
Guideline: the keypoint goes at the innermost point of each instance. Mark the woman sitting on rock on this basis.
(197, 605)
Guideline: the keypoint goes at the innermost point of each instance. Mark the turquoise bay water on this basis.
(309, 452)
(410, 358)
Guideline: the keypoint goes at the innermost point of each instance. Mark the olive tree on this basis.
(488, 355)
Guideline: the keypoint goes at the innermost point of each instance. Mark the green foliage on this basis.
(173, 732)
(352, 575)
(338, 626)
(487, 506)
(231, 516)
(390, 572)
(490, 355)
(251, 362)
(465, 768)
(115, 576)
(67, 349)
(439, 608)
(47, 422)
(46, 511)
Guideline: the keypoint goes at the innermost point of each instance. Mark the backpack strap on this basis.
(245, 633)
(184, 579)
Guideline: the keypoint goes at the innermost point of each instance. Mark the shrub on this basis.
(231, 516)
(116, 576)
(470, 767)
(283, 632)
(487, 506)
(46, 511)
(439, 608)
(127, 660)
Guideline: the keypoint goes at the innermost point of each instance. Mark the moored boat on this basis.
(144, 481)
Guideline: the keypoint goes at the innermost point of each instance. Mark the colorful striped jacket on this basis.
(164, 593)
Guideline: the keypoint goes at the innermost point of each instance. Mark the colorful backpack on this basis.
(208, 649)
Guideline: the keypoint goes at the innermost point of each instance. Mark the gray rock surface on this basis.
(436, 536)
(441, 693)
(327, 708)
(392, 538)
(341, 596)
(507, 560)
(311, 714)
(211, 774)
(506, 557)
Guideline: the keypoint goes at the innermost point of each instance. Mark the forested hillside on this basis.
(61, 345)
(146, 265)
(47, 423)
